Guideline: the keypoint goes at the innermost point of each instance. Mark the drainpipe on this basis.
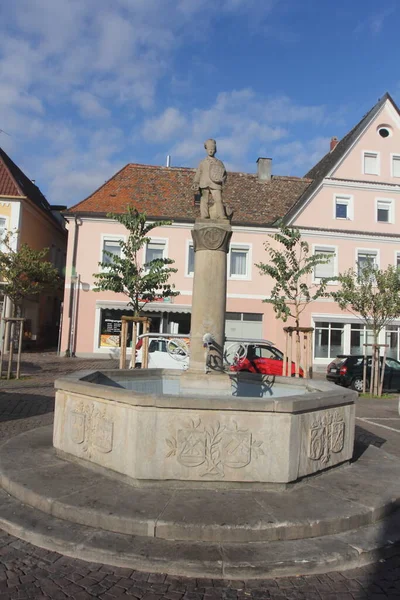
(70, 351)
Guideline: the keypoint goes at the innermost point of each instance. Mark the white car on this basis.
(166, 354)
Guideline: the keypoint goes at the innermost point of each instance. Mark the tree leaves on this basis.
(372, 294)
(290, 267)
(126, 274)
(25, 272)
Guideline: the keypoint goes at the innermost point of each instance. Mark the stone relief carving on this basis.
(213, 447)
(211, 238)
(326, 435)
(90, 426)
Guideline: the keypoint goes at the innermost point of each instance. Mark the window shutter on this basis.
(396, 166)
(370, 164)
(327, 269)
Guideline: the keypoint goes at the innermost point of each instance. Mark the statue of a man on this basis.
(209, 179)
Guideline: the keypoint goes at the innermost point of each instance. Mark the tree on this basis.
(126, 274)
(25, 272)
(372, 295)
(290, 266)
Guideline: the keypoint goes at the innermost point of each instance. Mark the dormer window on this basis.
(371, 163)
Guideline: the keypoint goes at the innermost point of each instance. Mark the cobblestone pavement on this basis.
(30, 572)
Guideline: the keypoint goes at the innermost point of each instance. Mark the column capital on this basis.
(211, 234)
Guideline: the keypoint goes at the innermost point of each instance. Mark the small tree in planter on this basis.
(290, 266)
(25, 273)
(127, 274)
(372, 295)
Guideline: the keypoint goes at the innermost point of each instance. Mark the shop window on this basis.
(239, 262)
(328, 339)
(360, 335)
(392, 340)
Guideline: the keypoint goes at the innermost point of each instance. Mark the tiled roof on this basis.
(13, 182)
(328, 162)
(166, 192)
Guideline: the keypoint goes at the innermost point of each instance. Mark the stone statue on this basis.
(209, 179)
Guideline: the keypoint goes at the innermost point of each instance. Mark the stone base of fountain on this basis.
(342, 518)
(191, 430)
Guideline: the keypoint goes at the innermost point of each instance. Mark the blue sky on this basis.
(87, 86)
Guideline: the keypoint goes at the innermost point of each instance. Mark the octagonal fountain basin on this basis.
(174, 429)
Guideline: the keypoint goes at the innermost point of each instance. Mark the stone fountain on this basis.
(200, 473)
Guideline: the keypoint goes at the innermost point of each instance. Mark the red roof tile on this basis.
(166, 192)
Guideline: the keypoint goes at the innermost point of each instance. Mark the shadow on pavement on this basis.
(14, 406)
(363, 439)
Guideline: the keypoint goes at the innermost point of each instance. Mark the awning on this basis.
(149, 307)
(166, 307)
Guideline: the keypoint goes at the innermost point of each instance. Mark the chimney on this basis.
(168, 160)
(264, 169)
(334, 143)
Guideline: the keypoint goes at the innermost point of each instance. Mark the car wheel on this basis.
(357, 384)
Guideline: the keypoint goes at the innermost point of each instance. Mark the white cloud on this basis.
(164, 127)
(89, 106)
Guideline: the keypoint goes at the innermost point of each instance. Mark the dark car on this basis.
(347, 370)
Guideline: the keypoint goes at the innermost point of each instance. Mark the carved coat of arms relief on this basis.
(326, 435)
(90, 427)
(213, 447)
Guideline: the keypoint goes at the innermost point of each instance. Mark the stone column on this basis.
(211, 244)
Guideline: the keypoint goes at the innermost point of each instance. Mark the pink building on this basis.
(346, 205)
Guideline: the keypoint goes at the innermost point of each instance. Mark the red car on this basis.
(260, 358)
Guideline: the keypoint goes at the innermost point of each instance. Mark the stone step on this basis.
(335, 502)
(246, 560)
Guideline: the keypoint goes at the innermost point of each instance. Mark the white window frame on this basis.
(344, 199)
(329, 248)
(6, 229)
(155, 240)
(371, 251)
(241, 246)
(378, 162)
(392, 157)
(390, 204)
(109, 237)
(189, 243)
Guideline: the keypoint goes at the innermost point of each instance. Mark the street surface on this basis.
(30, 572)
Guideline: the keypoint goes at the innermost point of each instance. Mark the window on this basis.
(343, 207)
(112, 246)
(384, 211)
(397, 263)
(190, 260)
(239, 262)
(395, 166)
(360, 335)
(384, 132)
(327, 269)
(371, 166)
(364, 257)
(154, 250)
(328, 339)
